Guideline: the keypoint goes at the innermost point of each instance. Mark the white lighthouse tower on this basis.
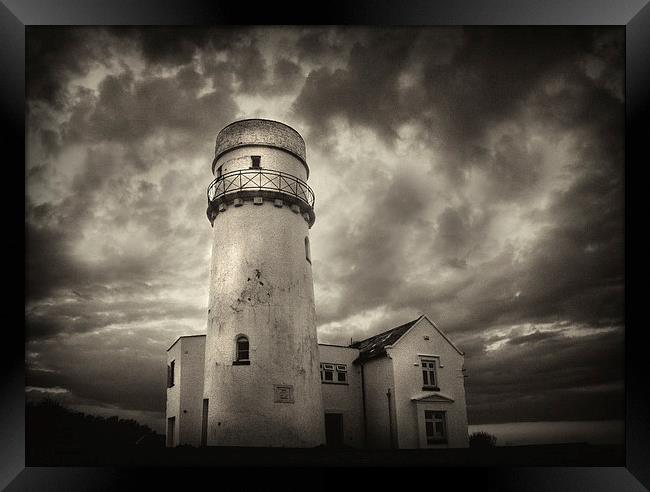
(261, 380)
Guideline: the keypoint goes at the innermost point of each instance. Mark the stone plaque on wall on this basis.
(283, 393)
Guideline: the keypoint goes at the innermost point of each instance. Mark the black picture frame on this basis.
(15, 15)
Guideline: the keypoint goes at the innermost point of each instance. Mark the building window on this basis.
(436, 428)
(170, 374)
(429, 380)
(334, 373)
(327, 372)
(341, 373)
(255, 159)
(242, 351)
(219, 171)
(307, 250)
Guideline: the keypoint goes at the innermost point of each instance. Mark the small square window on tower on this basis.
(256, 161)
(170, 374)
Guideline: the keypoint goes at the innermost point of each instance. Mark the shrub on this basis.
(482, 440)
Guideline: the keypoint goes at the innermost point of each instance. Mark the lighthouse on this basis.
(261, 382)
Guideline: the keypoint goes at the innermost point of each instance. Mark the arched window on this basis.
(242, 349)
(307, 250)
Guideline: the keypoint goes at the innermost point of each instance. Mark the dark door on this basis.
(171, 423)
(334, 429)
(204, 423)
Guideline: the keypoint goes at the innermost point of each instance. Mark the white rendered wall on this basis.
(408, 384)
(184, 399)
(191, 380)
(345, 398)
(174, 393)
(378, 378)
(261, 286)
(271, 158)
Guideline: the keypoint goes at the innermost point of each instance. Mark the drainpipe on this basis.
(390, 421)
(363, 402)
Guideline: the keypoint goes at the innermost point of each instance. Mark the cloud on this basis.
(557, 377)
(57, 56)
(129, 110)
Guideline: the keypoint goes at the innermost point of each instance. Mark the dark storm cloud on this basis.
(504, 68)
(365, 92)
(513, 170)
(317, 45)
(475, 175)
(456, 233)
(490, 76)
(56, 55)
(83, 315)
(467, 86)
(374, 243)
(179, 45)
(103, 202)
(574, 271)
(126, 110)
(105, 371)
(248, 70)
(555, 378)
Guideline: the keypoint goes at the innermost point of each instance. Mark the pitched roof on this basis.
(376, 346)
(442, 334)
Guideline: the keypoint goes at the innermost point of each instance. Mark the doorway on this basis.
(204, 423)
(334, 429)
(171, 421)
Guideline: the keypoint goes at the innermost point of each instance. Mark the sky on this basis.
(471, 174)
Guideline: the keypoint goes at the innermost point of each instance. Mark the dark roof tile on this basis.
(375, 346)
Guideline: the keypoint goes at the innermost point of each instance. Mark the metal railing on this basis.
(260, 179)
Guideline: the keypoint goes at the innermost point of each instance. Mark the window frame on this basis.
(307, 250)
(437, 417)
(239, 360)
(335, 371)
(428, 366)
(171, 374)
(256, 162)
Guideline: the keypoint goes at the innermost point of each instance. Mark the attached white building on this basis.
(403, 388)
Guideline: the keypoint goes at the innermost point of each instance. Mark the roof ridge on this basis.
(392, 329)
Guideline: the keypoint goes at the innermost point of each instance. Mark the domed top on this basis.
(260, 132)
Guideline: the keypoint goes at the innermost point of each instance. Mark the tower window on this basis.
(256, 161)
(242, 351)
(307, 250)
(170, 374)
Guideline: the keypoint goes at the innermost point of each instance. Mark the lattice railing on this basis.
(260, 179)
